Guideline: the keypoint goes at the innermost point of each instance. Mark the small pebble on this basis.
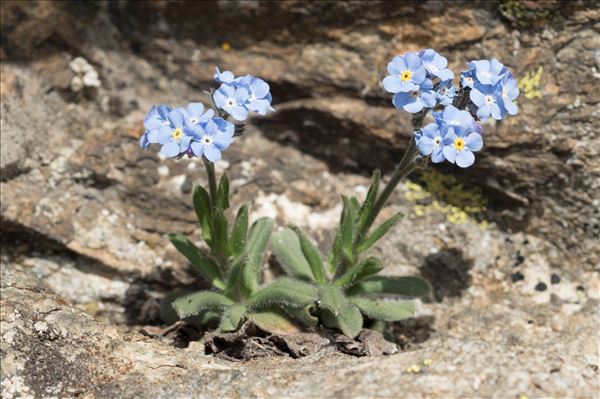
(555, 278)
(541, 287)
(518, 276)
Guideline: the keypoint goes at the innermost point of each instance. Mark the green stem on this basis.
(404, 168)
(212, 181)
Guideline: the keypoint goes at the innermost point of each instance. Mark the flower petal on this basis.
(449, 153)
(195, 109)
(259, 88)
(239, 113)
(392, 84)
(164, 134)
(197, 148)
(212, 153)
(474, 142)
(171, 149)
(465, 158)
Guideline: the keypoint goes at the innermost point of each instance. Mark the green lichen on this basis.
(438, 192)
(526, 14)
(529, 85)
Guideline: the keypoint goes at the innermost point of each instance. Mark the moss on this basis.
(529, 85)
(528, 13)
(438, 192)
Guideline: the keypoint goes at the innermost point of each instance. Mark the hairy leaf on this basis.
(287, 249)
(209, 269)
(223, 192)
(284, 291)
(350, 321)
(239, 232)
(201, 201)
(385, 310)
(234, 275)
(312, 256)
(379, 232)
(232, 318)
(407, 286)
(347, 228)
(303, 315)
(367, 206)
(368, 267)
(255, 248)
(360, 270)
(196, 303)
(221, 241)
(273, 322)
(331, 298)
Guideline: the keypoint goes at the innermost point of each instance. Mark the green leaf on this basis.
(385, 310)
(312, 256)
(232, 318)
(201, 201)
(287, 249)
(234, 275)
(196, 303)
(368, 267)
(221, 241)
(255, 248)
(406, 286)
(303, 315)
(350, 321)
(360, 270)
(239, 231)
(209, 269)
(367, 206)
(273, 322)
(378, 233)
(223, 192)
(331, 298)
(347, 228)
(284, 291)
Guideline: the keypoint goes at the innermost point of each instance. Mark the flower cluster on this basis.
(238, 96)
(421, 82)
(196, 132)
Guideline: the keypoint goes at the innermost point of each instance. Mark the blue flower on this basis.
(445, 93)
(488, 99)
(467, 78)
(510, 92)
(488, 72)
(212, 138)
(225, 77)
(154, 120)
(460, 146)
(430, 141)
(462, 136)
(436, 65)
(416, 99)
(194, 114)
(259, 98)
(232, 99)
(406, 73)
(175, 137)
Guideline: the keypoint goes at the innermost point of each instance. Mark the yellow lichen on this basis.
(529, 85)
(226, 46)
(428, 362)
(444, 193)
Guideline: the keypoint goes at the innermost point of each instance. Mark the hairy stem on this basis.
(212, 181)
(403, 169)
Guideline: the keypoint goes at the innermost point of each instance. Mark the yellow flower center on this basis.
(177, 134)
(406, 75)
(459, 143)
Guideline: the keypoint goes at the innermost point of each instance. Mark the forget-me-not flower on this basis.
(460, 146)
(488, 99)
(175, 137)
(510, 92)
(212, 138)
(445, 93)
(430, 141)
(224, 77)
(194, 114)
(436, 65)
(259, 97)
(232, 99)
(488, 72)
(415, 100)
(406, 73)
(156, 118)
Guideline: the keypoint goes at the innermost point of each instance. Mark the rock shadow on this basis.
(448, 273)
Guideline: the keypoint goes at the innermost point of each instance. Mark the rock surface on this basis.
(84, 211)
